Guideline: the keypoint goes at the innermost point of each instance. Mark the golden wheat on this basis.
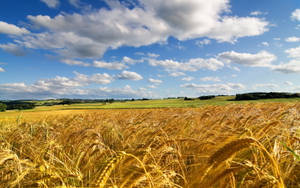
(247, 145)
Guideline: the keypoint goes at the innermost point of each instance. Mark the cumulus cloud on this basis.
(109, 65)
(155, 81)
(103, 64)
(153, 55)
(292, 39)
(127, 75)
(293, 66)
(288, 83)
(227, 88)
(211, 79)
(75, 3)
(97, 78)
(51, 3)
(42, 88)
(2, 69)
(192, 65)
(296, 15)
(125, 92)
(293, 52)
(232, 28)
(60, 87)
(266, 86)
(260, 59)
(11, 29)
(203, 42)
(75, 62)
(91, 33)
(152, 86)
(188, 78)
(131, 61)
(176, 74)
(13, 49)
(257, 13)
(265, 44)
(66, 44)
(55, 87)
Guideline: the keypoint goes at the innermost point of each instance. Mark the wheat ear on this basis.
(111, 164)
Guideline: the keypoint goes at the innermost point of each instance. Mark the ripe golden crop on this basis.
(246, 145)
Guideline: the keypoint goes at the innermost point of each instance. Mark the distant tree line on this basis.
(16, 105)
(264, 95)
(206, 97)
(77, 101)
(2, 107)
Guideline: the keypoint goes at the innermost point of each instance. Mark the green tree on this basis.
(2, 107)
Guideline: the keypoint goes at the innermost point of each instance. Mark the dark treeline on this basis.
(2, 107)
(16, 105)
(78, 101)
(207, 97)
(264, 95)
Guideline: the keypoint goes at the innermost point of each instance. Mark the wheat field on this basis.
(237, 145)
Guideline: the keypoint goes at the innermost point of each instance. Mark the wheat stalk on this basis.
(110, 166)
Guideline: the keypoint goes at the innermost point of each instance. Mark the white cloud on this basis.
(55, 87)
(176, 74)
(288, 83)
(154, 81)
(257, 13)
(193, 65)
(75, 62)
(153, 55)
(51, 3)
(67, 44)
(91, 33)
(265, 44)
(11, 29)
(236, 68)
(75, 3)
(260, 59)
(292, 39)
(125, 92)
(296, 15)
(293, 52)
(127, 75)
(111, 65)
(188, 78)
(267, 86)
(2, 69)
(209, 78)
(203, 42)
(60, 87)
(227, 88)
(152, 86)
(131, 61)
(48, 87)
(13, 49)
(95, 78)
(232, 28)
(292, 66)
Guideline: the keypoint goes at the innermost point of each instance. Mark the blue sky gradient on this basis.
(142, 48)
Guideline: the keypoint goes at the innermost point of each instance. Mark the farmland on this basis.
(41, 112)
(218, 144)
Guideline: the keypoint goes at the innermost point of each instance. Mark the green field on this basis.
(157, 103)
(41, 111)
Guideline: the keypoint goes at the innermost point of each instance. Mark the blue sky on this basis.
(143, 48)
